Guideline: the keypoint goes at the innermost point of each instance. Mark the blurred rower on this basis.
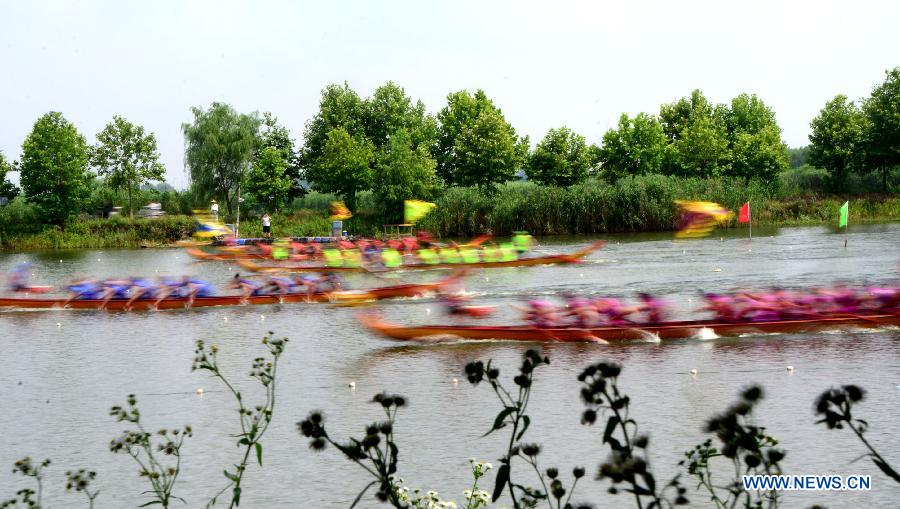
(248, 287)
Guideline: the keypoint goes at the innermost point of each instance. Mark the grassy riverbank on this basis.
(635, 204)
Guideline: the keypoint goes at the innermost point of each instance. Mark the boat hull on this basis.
(388, 292)
(668, 330)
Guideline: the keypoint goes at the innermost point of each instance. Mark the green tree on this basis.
(637, 147)
(837, 140)
(268, 180)
(676, 116)
(127, 157)
(402, 172)
(389, 110)
(798, 156)
(344, 166)
(475, 145)
(54, 167)
(702, 148)
(560, 159)
(278, 137)
(219, 145)
(7, 189)
(882, 109)
(755, 143)
(339, 107)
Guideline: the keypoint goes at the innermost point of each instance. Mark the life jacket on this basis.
(449, 255)
(391, 258)
(352, 258)
(508, 253)
(333, 258)
(428, 256)
(470, 255)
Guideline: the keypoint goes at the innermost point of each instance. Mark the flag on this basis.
(698, 218)
(339, 211)
(744, 216)
(413, 210)
(845, 211)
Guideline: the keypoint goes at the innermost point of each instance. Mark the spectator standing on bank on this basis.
(267, 226)
(214, 209)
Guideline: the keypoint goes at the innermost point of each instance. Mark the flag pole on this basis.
(750, 220)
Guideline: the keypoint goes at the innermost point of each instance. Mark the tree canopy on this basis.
(54, 167)
(268, 179)
(7, 189)
(476, 146)
(339, 107)
(127, 156)
(402, 172)
(837, 140)
(561, 158)
(882, 110)
(344, 166)
(389, 110)
(638, 146)
(276, 136)
(219, 145)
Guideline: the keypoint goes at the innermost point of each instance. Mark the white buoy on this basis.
(749, 250)
(225, 318)
(58, 324)
(455, 381)
(200, 391)
(60, 261)
(352, 385)
(580, 275)
(486, 279)
(717, 269)
(427, 311)
(683, 251)
(790, 369)
(262, 317)
(694, 372)
(690, 300)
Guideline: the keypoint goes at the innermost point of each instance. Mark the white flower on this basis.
(467, 494)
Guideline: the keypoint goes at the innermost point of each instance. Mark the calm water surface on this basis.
(61, 370)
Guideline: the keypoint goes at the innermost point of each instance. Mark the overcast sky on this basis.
(546, 64)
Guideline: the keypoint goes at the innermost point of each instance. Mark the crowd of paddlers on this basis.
(742, 306)
(391, 253)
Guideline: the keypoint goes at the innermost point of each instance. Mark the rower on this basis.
(523, 242)
(542, 313)
(140, 288)
(585, 314)
(83, 289)
(248, 287)
(280, 285)
(613, 310)
(113, 289)
(722, 307)
(655, 309)
(18, 277)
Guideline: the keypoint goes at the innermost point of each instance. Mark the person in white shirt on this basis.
(214, 208)
(267, 226)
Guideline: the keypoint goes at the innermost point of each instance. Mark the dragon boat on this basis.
(520, 262)
(663, 330)
(121, 304)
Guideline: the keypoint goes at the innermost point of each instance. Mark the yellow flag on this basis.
(339, 211)
(413, 210)
(698, 218)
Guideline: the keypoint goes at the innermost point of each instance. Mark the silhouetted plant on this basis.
(376, 452)
(139, 444)
(26, 496)
(254, 421)
(514, 415)
(80, 481)
(750, 449)
(836, 408)
(628, 462)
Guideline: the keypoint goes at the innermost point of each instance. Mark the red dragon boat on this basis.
(664, 330)
(521, 262)
(343, 296)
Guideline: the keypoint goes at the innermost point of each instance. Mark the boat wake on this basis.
(705, 334)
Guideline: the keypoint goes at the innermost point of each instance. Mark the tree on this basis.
(702, 148)
(560, 159)
(637, 147)
(278, 137)
(472, 132)
(755, 143)
(7, 189)
(268, 179)
(219, 145)
(54, 167)
(677, 116)
(882, 109)
(344, 166)
(339, 107)
(837, 140)
(402, 172)
(389, 110)
(127, 157)
(798, 156)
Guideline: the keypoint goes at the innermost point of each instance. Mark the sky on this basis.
(545, 64)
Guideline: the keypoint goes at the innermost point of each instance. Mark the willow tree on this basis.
(219, 146)
(127, 157)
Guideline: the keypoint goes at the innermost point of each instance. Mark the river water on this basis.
(61, 370)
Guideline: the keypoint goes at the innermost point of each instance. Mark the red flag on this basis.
(744, 216)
